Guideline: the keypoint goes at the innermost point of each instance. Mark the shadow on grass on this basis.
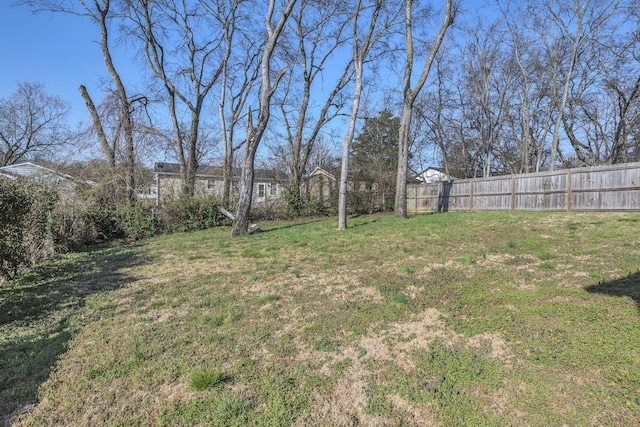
(628, 286)
(37, 317)
(291, 225)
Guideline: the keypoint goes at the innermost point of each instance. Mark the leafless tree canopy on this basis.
(511, 87)
(32, 122)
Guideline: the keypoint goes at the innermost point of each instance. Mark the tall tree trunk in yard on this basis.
(240, 224)
(360, 50)
(108, 150)
(409, 97)
(127, 122)
(346, 145)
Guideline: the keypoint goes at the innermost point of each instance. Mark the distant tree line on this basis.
(525, 87)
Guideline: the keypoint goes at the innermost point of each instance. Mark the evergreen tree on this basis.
(375, 159)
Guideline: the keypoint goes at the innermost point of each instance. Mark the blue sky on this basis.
(57, 50)
(60, 51)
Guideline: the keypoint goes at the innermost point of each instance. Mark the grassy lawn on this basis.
(446, 319)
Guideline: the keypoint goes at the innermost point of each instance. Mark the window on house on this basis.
(274, 189)
(261, 190)
(211, 183)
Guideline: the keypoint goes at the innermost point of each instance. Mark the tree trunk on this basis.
(108, 151)
(125, 107)
(400, 206)
(346, 144)
(240, 224)
(409, 99)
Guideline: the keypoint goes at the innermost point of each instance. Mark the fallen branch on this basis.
(252, 227)
(226, 213)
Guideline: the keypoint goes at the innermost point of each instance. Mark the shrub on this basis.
(293, 198)
(25, 225)
(190, 214)
(101, 223)
(136, 221)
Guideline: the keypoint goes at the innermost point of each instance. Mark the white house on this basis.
(433, 175)
(66, 184)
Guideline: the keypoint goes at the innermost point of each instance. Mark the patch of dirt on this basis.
(422, 415)
(344, 404)
(498, 348)
(524, 286)
(501, 401)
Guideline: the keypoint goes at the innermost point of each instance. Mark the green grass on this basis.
(447, 319)
(203, 379)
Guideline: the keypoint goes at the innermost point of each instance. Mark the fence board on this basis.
(601, 188)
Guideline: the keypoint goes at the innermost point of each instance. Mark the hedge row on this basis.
(36, 222)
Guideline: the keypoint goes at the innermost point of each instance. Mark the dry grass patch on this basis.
(456, 319)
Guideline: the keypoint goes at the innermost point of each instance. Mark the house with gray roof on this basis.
(268, 184)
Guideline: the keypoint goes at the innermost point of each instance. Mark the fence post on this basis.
(513, 192)
(471, 194)
(569, 195)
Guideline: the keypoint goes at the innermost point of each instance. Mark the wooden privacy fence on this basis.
(600, 188)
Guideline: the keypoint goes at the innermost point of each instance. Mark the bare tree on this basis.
(410, 94)
(237, 79)
(362, 45)
(185, 60)
(109, 144)
(435, 115)
(102, 13)
(311, 95)
(576, 23)
(31, 122)
(255, 132)
(603, 101)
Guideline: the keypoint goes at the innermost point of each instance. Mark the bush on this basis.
(293, 198)
(136, 221)
(190, 214)
(25, 225)
(101, 223)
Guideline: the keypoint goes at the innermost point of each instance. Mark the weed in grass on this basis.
(326, 344)
(232, 409)
(449, 377)
(207, 302)
(138, 353)
(532, 243)
(398, 298)
(466, 260)
(233, 315)
(252, 252)
(547, 266)
(599, 276)
(409, 270)
(215, 320)
(546, 255)
(511, 244)
(269, 298)
(285, 266)
(203, 379)
(391, 290)
(296, 272)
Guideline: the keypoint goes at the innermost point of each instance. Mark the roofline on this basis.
(52, 171)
